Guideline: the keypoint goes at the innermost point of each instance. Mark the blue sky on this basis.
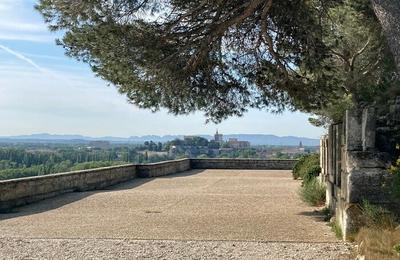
(43, 91)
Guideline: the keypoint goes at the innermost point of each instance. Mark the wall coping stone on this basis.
(63, 174)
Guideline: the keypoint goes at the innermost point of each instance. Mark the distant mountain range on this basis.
(254, 139)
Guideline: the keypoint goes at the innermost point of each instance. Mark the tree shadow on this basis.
(71, 197)
(183, 174)
(317, 215)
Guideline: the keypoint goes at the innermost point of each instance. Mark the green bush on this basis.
(396, 248)
(307, 167)
(395, 184)
(313, 192)
(377, 217)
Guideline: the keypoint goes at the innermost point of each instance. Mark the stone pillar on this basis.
(368, 129)
(353, 128)
(323, 158)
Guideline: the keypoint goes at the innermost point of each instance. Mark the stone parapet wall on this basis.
(354, 169)
(242, 164)
(18, 192)
(162, 168)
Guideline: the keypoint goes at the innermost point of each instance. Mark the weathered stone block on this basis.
(367, 183)
(368, 129)
(365, 159)
(353, 124)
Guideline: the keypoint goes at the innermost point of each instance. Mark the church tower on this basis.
(218, 137)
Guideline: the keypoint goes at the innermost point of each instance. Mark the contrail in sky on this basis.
(22, 57)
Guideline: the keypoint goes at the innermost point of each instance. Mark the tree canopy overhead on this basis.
(220, 57)
(364, 68)
(224, 56)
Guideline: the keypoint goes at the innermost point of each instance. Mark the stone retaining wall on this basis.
(162, 168)
(18, 192)
(354, 169)
(242, 164)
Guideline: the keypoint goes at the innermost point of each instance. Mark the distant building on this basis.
(301, 147)
(235, 143)
(218, 137)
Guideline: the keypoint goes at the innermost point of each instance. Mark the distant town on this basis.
(21, 157)
(199, 147)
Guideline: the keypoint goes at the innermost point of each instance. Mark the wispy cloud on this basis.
(70, 76)
(19, 21)
(23, 58)
(48, 57)
(22, 26)
(44, 38)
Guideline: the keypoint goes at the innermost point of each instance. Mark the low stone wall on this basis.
(162, 168)
(17, 192)
(256, 164)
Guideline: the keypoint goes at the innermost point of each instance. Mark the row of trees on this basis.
(23, 162)
(20, 157)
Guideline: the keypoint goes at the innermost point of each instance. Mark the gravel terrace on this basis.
(199, 214)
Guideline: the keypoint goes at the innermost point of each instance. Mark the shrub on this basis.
(313, 192)
(297, 167)
(395, 184)
(396, 249)
(327, 213)
(377, 217)
(307, 167)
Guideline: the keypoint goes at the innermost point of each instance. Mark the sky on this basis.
(43, 91)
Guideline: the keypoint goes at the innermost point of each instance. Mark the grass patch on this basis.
(313, 192)
(379, 238)
(376, 243)
(335, 227)
(377, 217)
(395, 185)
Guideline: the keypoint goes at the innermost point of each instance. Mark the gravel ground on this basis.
(13, 248)
(207, 214)
(247, 205)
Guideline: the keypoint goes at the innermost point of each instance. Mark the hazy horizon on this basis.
(160, 135)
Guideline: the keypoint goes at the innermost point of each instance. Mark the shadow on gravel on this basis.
(183, 174)
(318, 216)
(71, 197)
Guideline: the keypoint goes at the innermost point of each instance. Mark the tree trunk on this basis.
(388, 13)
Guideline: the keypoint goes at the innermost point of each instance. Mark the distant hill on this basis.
(254, 139)
(259, 139)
